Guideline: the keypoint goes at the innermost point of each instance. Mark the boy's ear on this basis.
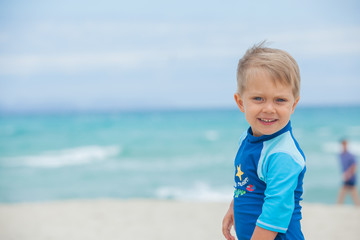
(239, 102)
(294, 105)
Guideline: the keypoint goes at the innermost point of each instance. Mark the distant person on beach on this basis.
(269, 165)
(348, 164)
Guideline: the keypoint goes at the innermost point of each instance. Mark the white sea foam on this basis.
(211, 135)
(353, 131)
(335, 147)
(323, 132)
(65, 157)
(200, 191)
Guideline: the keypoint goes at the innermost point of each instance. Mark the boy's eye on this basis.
(258, 98)
(280, 100)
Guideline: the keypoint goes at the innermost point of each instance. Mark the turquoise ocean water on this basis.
(184, 155)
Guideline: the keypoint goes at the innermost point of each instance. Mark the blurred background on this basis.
(134, 99)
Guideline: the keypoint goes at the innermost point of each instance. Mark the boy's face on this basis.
(267, 106)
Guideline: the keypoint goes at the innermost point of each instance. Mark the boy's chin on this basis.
(259, 133)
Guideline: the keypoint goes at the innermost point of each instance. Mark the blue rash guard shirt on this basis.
(269, 172)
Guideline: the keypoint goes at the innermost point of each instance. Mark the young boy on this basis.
(269, 165)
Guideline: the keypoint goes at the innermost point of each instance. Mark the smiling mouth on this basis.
(264, 120)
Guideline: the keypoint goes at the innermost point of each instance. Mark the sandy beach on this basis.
(152, 219)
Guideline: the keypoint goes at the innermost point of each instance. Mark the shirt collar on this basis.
(267, 137)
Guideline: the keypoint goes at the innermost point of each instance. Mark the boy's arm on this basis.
(228, 222)
(263, 234)
(280, 172)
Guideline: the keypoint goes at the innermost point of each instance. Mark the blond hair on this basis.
(280, 66)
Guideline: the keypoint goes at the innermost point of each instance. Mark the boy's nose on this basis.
(269, 107)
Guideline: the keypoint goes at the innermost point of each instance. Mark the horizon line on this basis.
(65, 111)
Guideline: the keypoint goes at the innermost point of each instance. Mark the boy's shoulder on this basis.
(279, 152)
(283, 144)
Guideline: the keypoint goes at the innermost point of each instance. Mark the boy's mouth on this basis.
(267, 121)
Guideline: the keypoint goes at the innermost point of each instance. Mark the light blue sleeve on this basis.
(280, 172)
(242, 137)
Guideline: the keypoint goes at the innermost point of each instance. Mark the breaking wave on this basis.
(64, 157)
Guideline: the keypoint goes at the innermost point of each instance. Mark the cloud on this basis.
(71, 63)
(337, 40)
(90, 46)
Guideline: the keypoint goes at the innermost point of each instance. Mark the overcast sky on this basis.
(105, 55)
